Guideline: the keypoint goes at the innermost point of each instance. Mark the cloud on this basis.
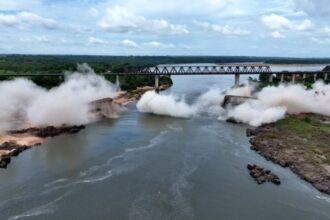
(324, 41)
(19, 4)
(314, 8)
(129, 44)
(276, 34)
(42, 39)
(225, 30)
(281, 23)
(155, 44)
(94, 12)
(96, 41)
(121, 20)
(193, 8)
(326, 31)
(26, 18)
(35, 39)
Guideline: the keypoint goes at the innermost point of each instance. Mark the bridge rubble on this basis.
(104, 108)
(233, 100)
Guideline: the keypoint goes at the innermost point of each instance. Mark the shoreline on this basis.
(299, 143)
(15, 142)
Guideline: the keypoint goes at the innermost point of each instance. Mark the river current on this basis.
(143, 166)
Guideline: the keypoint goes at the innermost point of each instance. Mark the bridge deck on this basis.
(227, 69)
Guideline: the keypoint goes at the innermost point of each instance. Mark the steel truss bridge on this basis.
(202, 69)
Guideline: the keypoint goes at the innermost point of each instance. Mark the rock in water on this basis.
(262, 175)
(233, 121)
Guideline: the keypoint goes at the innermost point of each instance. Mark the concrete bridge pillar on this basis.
(304, 76)
(236, 80)
(325, 76)
(282, 78)
(271, 78)
(117, 82)
(315, 77)
(293, 78)
(157, 83)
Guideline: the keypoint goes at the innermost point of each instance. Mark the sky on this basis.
(284, 28)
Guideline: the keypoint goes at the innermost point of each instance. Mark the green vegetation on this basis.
(34, 64)
(52, 64)
(309, 132)
(101, 64)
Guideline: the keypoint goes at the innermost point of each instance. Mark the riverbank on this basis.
(299, 142)
(15, 142)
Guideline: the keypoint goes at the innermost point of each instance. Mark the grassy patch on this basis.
(327, 160)
(304, 124)
(308, 132)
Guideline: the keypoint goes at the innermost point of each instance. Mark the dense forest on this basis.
(55, 64)
(52, 64)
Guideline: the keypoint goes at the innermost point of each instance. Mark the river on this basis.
(143, 166)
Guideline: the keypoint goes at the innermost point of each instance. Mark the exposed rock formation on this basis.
(49, 131)
(261, 175)
(13, 148)
(304, 152)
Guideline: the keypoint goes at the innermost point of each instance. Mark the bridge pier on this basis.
(315, 77)
(157, 83)
(304, 76)
(282, 78)
(325, 76)
(117, 82)
(271, 78)
(236, 80)
(293, 80)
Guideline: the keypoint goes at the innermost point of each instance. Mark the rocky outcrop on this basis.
(233, 121)
(292, 151)
(49, 131)
(11, 149)
(262, 175)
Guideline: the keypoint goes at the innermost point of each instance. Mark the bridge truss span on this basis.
(205, 70)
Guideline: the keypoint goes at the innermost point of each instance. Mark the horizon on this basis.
(211, 56)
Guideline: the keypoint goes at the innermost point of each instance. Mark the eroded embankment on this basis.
(15, 142)
(301, 143)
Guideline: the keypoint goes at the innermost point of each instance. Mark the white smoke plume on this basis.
(170, 105)
(270, 104)
(273, 103)
(68, 104)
